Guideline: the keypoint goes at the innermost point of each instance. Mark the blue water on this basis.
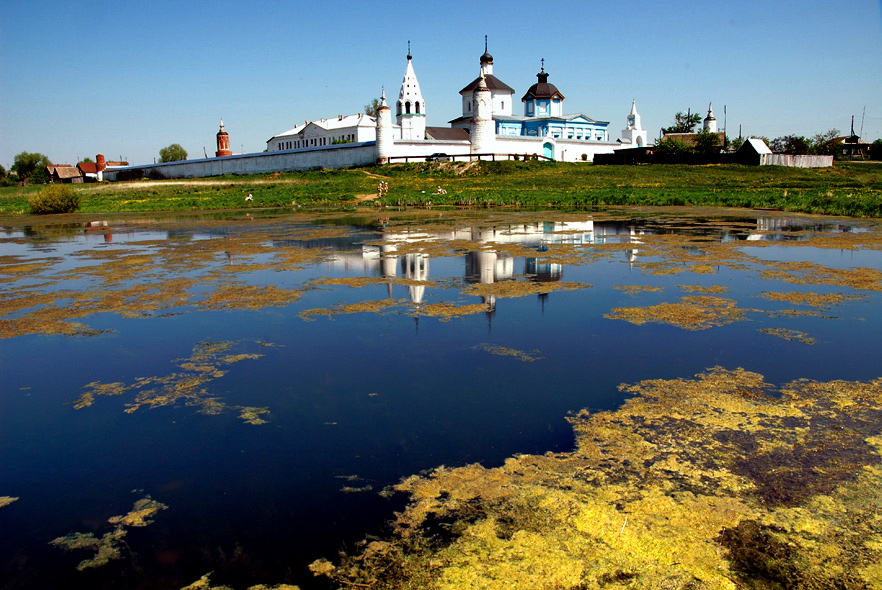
(379, 396)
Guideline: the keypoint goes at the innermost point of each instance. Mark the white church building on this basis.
(487, 129)
(543, 128)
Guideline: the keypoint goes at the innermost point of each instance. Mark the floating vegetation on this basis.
(810, 299)
(792, 335)
(356, 490)
(253, 415)
(360, 307)
(6, 500)
(504, 351)
(721, 481)
(709, 290)
(693, 312)
(204, 365)
(204, 583)
(447, 311)
(504, 289)
(634, 289)
(108, 547)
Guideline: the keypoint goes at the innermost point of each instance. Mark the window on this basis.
(417, 108)
(407, 107)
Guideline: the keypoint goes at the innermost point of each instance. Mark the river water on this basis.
(262, 378)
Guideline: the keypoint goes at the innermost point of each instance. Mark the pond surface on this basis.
(249, 384)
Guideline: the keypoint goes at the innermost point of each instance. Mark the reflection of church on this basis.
(395, 259)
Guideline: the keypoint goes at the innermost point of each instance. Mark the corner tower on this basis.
(384, 131)
(223, 142)
(483, 130)
(411, 109)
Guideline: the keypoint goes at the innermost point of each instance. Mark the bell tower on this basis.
(411, 108)
(223, 142)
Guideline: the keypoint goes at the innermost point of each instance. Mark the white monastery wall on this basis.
(343, 156)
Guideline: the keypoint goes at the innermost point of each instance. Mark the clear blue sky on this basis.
(128, 78)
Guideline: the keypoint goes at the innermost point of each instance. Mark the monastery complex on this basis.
(491, 126)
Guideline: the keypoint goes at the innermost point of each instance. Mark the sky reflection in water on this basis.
(358, 400)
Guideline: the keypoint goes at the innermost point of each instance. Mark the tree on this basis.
(172, 153)
(39, 176)
(795, 145)
(669, 146)
(683, 123)
(25, 164)
(707, 143)
(876, 150)
(372, 108)
(736, 143)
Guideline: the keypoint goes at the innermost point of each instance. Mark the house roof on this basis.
(340, 122)
(493, 83)
(88, 167)
(447, 133)
(66, 172)
(689, 138)
(758, 145)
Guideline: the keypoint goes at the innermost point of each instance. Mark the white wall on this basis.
(342, 156)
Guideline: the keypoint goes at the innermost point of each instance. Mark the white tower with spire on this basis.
(634, 133)
(710, 122)
(384, 131)
(483, 129)
(411, 109)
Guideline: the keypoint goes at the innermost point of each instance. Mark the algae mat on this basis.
(622, 398)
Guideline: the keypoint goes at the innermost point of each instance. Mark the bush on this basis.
(39, 176)
(55, 198)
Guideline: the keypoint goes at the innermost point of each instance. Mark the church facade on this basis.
(542, 127)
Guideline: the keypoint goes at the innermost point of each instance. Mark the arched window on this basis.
(407, 107)
(417, 107)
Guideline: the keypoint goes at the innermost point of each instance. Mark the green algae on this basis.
(721, 481)
(7, 500)
(109, 546)
(635, 289)
(692, 312)
(204, 365)
(787, 334)
(204, 583)
(527, 357)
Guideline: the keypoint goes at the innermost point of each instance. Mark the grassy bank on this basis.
(852, 189)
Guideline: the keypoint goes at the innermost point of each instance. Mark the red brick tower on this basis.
(223, 142)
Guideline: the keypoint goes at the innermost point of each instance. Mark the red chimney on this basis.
(99, 162)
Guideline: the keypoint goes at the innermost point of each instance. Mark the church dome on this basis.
(542, 88)
(486, 58)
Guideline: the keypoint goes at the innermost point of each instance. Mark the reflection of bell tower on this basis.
(223, 142)
(416, 268)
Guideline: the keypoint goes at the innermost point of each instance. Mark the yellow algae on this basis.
(204, 583)
(6, 500)
(810, 299)
(140, 514)
(504, 289)
(495, 350)
(709, 290)
(447, 311)
(720, 481)
(360, 307)
(634, 289)
(693, 312)
(250, 297)
(252, 415)
(107, 548)
(204, 365)
(786, 334)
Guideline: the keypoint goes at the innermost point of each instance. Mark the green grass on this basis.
(852, 189)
